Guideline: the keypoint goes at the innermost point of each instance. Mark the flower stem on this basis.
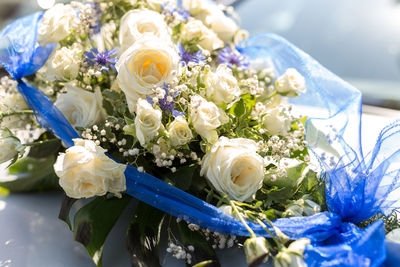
(273, 236)
(272, 95)
(17, 112)
(252, 234)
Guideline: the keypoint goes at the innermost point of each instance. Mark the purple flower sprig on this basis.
(167, 106)
(187, 57)
(104, 60)
(233, 58)
(180, 13)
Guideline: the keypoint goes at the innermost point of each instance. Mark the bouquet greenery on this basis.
(165, 89)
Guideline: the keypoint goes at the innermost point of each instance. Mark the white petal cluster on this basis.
(80, 107)
(222, 86)
(179, 132)
(276, 122)
(85, 171)
(9, 146)
(206, 117)
(212, 16)
(234, 168)
(195, 29)
(147, 122)
(56, 24)
(64, 64)
(137, 23)
(147, 64)
(291, 83)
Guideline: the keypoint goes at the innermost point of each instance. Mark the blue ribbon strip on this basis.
(357, 187)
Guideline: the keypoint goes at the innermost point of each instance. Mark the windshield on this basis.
(359, 40)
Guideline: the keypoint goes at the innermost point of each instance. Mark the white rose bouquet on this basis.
(164, 89)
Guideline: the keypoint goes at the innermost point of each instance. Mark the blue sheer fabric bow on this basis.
(335, 238)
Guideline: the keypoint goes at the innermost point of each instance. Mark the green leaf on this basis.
(202, 248)
(93, 222)
(111, 94)
(65, 209)
(35, 174)
(45, 149)
(238, 109)
(143, 236)
(182, 178)
(108, 107)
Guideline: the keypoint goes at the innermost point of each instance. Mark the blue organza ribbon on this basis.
(357, 187)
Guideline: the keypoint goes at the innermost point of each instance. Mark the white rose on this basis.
(234, 168)
(136, 23)
(63, 64)
(276, 122)
(291, 83)
(197, 7)
(85, 171)
(81, 108)
(206, 117)
(207, 38)
(147, 121)
(148, 63)
(179, 132)
(9, 146)
(224, 87)
(222, 25)
(56, 24)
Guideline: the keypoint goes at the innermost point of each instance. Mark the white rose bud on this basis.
(227, 209)
(275, 122)
(179, 132)
(293, 255)
(197, 7)
(137, 23)
(147, 122)
(222, 25)
(9, 146)
(223, 86)
(85, 171)
(63, 64)
(56, 24)
(394, 236)
(256, 249)
(207, 38)
(290, 83)
(148, 63)
(80, 107)
(206, 117)
(234, 168)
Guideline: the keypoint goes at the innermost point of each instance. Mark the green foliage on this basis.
(242, 123)
(34, 174)
(183, 177)
(94, 221)
(143, 236)
(65, 210)
(202, 248)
